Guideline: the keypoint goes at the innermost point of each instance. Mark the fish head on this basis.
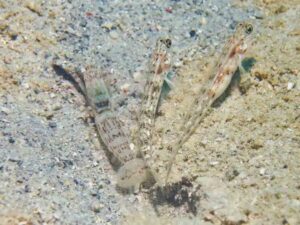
(98, 94)
(243, 36)
(161, 57)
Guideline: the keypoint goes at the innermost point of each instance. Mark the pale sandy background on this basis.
(242, 162)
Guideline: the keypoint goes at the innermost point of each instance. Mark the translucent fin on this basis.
(132, 174)
(98, 94)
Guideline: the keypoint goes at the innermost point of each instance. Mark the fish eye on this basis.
(249, 29)
(168, 42)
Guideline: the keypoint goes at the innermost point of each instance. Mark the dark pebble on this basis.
(13, 160)
(83, 23)
(94, 193)
(198, 12)
(36, 91)
(52, 124)
(66, 163)
(192, 33)
(14, 37)
(11, 140)
(27, 189)
(18, 161)
(79, 182)
(233, 25)
(232, 174)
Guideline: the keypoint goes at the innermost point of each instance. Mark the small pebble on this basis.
(52, 95)
(158, 27)
(262, 171)
(213, 163)
(11, 140)
(131, 145)
(93, 193)
(14, 37)
(137, 76)
(34, 7)
(96, 207)
(26, 188)
(192, 33)
(169, 9)
(114, 34)
(57, 106)
(125, 87)
(7, 60)
(178, 63)
(290, 85)
(232, 174)
(5, 110)
(108, 25)
(48, 115)
(203, 21)
(26, 86)
(52, 124)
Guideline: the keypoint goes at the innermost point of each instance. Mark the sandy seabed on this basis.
(240, 167)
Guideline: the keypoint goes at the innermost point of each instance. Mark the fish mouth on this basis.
(244, 47)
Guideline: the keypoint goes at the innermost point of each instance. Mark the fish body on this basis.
(132, 171)
(227, 64)
(159, 67)
(108, 125)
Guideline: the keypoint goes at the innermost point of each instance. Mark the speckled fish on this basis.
(226, 65)
(133, 171)
(159, 67)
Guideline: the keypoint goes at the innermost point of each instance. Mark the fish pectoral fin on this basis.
(241, 69)
(169, 83)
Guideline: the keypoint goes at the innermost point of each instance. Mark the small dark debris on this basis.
(67, 163)
(60, 71)
(79, 182)
(14, 37)
(36, 91)
(177, 194)
(284, 222)
(89, 14)
(47, 55)
(94, 193)
(26, 188)
(18, 161)
(233, 25)
(198, 12)
(52, 124)
(192, 33)
(259, 16)
(83, 24)
(168, 10)
(232, 174)
(19, 181)
(248, 63)
(11, 140)
(107, 181)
